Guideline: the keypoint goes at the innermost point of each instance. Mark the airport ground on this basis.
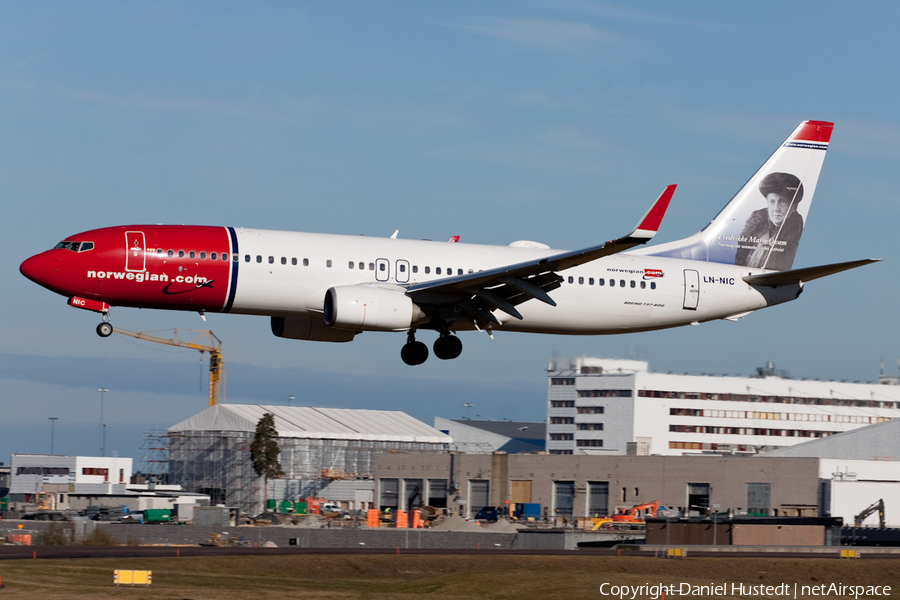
(449, 576)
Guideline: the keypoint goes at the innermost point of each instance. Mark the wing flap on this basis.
(807, 274)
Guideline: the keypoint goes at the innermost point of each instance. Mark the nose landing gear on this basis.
(105, 328)
(413, 353)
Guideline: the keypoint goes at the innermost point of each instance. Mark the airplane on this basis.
(330, 288)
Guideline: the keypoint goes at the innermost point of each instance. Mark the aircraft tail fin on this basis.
(761, 226)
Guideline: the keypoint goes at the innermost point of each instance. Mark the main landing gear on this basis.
(413, 352)
(446, 347)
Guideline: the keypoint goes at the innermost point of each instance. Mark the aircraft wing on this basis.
(808, 274)
(477, 294)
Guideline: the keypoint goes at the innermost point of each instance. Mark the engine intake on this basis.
(370, 308)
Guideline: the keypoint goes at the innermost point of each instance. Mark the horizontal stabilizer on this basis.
(808, 274)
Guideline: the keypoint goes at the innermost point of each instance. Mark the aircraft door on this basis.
(401, 271)
(691, 289)
(382, 269)
(135, 259)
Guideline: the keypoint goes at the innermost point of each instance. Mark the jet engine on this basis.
(369, 308)
(295, 328)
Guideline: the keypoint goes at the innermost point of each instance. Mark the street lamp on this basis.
(468, 406)
(102, 424)
(52, 424)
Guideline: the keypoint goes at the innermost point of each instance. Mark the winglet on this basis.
(649, 223)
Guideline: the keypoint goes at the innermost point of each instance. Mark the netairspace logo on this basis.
(659, 591)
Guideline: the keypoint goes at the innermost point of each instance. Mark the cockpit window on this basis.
(75, 246)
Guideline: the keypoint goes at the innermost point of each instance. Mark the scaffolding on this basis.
(155, 460)
(218, 463)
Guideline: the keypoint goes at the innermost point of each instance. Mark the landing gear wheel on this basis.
(414, 353)
(104, 329)
(447, 347)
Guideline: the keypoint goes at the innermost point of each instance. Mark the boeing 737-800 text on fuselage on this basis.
(330, 288)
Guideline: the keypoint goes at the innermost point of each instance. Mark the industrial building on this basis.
(474, 436)
(572, 487)
(600, 406)
(861, 468)
(209, 453)
(34, 473)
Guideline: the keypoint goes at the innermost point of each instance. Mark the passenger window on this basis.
(246, 258)
(581, 281)
(181, 254)
(459, 271)
(258, 258)
(170, 253)
(214, 255)
(350, 265)
(652, 285)
(284, 260)
(381, 267)
(415, 268)
(601, 282)
(632, 283)
(437, 270)
(643, 285)
(328, 263)
(202, 255)
(427, 270)
(294, 261)
(192, 254)
(234, 257)
(571, 279)
(590, 281)
(271, 260)
(403, 268)
(371, 266)
(362, 266)
(305, 262)
(621, 283)
(159, 251)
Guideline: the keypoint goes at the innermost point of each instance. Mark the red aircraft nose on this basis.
(43, 269)
(34, 267)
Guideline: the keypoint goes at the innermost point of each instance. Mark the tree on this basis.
(264, 450)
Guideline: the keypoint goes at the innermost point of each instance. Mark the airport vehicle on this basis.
(626, 516)
(330, 288)
(877, 507)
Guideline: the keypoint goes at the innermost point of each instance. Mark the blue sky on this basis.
(551, 121)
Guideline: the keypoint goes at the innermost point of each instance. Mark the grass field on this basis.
(385, 577)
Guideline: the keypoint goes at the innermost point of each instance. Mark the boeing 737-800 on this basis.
(330, 288)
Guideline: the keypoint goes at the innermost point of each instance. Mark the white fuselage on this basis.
(289, 273)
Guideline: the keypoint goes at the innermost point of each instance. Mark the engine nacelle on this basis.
(370, 308)
(295, 328)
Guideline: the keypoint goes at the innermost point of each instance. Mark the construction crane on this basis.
(214, 347)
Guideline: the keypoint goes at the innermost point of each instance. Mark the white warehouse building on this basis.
(600, 406)
(33, 473)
